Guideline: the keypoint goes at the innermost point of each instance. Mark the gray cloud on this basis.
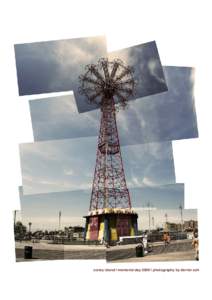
(148, 72)
(69, 165)
(54, 66)
(162, 117)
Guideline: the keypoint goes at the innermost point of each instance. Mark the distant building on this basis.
(74, 232)
(173, 226)
(190, 225)
(187, 226)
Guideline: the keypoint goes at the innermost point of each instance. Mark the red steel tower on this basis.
(109, 84)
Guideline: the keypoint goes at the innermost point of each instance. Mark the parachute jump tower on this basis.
(109, 84)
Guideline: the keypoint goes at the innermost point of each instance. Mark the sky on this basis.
(64, 165)
(65, 128)
(55, 66)
(43, 209)
(173, 216)
(167, 116)
(148, 72)
(45, 222)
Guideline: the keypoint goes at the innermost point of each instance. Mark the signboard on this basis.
(123, 226)
(94, 226)
(101, 230)
(114, 236)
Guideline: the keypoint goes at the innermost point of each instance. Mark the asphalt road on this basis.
(177, 251)
(43, 251)
(159, 252)
(172, 256)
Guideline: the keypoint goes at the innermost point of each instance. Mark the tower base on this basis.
(108, 225)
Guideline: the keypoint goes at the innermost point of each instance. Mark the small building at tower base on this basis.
(109, 224)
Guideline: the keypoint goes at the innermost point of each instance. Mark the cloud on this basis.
(57, 118)
(54, 66)
(69, 164)
(148, 182)
(162, 117)
(153, 66)
(148, 72)
(141, 182)
(68, 172)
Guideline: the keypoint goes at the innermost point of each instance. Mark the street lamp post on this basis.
(181, 216)
(153, 222)
(148, 205)
(30, 235)
(15, 211)
(30, 224)
(59, 220)
(166, 219)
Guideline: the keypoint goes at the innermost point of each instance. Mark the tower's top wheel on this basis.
(107, 80)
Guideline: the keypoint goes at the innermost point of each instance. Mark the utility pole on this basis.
(59, 220)
(166, 219)
(148, 205)
(181, 216)
(153, 222)
(15, 211)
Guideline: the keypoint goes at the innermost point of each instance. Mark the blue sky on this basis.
(148, 72)
(42, 209)
(173, 215)
(166, 116)
(64, 165)
(55, 66)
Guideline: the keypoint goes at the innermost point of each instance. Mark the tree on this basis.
(20, 230)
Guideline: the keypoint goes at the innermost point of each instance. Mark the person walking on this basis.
(195, 244)
(166, 238)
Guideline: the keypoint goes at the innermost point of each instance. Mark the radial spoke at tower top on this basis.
(107, 79)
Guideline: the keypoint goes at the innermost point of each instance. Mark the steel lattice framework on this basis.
(108, 84)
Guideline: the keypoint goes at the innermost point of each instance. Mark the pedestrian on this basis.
(195, 244)
(166, 238)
